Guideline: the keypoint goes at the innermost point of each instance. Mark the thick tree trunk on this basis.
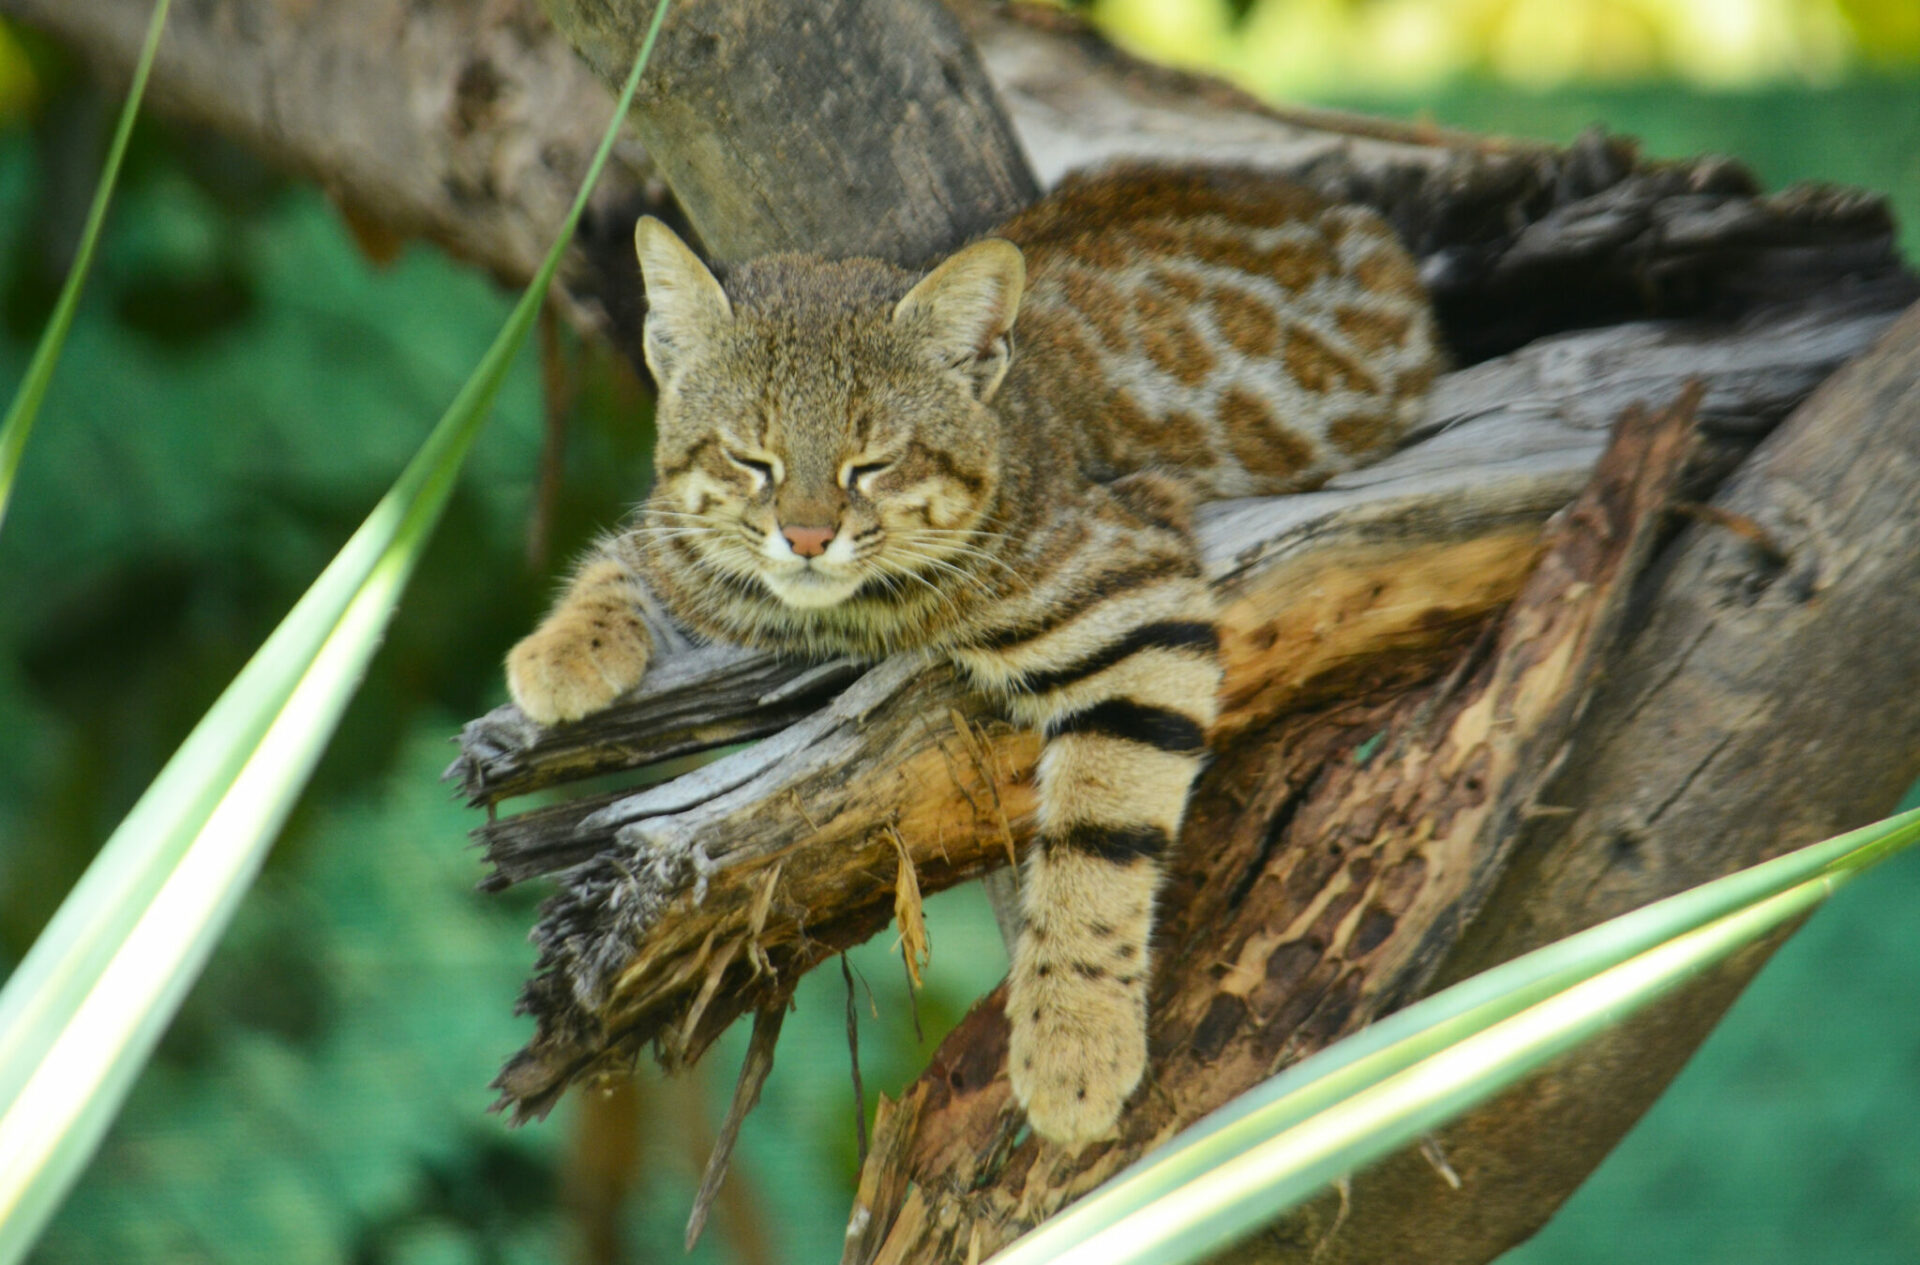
(882, 104)
(1760, 701)
(1448, 736)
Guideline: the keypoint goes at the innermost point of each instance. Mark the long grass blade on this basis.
(81, 1014)
(33, 386)
(1274, 1146)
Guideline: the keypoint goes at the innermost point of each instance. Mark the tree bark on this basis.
(882, 104)
(469, 125)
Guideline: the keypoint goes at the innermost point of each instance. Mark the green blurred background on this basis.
(243, 383)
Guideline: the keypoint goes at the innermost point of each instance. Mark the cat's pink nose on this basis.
(808, 542)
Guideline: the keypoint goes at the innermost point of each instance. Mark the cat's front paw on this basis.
(1076, 1052)
(575, 665)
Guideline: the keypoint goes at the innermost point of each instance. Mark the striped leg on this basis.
(1125, 693)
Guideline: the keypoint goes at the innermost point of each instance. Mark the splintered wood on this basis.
(914, 945)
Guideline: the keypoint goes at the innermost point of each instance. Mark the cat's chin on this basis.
(811, 590)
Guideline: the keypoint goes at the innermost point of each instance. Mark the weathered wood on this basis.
(694, 700)
(1782, 681)
(841, 127)
(782, 854)
(469, 125)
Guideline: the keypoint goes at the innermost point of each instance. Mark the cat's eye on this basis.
(851, 476)
(765, 470)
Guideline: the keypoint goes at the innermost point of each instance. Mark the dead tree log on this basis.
(782, 854)
(1376, 787)
(1768, 629)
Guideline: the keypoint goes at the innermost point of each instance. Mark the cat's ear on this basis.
(685, 305)
(964, 309)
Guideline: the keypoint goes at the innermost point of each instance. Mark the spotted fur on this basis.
(998, 461)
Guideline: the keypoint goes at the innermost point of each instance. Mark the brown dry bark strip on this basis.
(754, 1070)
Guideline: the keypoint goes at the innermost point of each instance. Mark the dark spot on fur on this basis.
(1319, 366)
(1263, 446)
(1373, 331)
(1248, 323)
(1360, 432)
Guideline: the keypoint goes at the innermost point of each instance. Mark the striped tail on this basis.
(1124, 692)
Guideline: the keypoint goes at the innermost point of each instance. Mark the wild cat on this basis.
(997, 462)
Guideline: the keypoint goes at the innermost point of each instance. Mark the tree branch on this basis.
(755, 868)
(470, 125)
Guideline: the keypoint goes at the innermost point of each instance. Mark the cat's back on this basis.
(1219, 322)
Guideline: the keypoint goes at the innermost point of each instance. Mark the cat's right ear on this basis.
(685, 305)
(964, 309)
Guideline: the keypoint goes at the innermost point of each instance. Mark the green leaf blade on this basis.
(32, 390)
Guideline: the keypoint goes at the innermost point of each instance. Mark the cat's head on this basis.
(824, 426)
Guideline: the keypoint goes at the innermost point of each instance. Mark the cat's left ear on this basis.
(964, 309)
(685, 304)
